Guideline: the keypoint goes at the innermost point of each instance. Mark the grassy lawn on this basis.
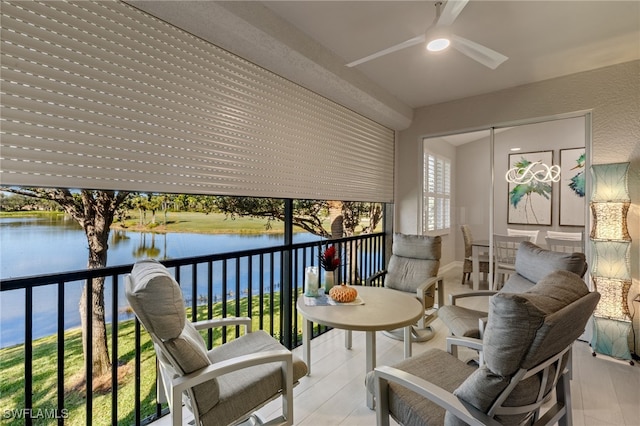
(45, 370)
(212, 223)
(191, 222)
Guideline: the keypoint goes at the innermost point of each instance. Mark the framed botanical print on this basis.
(572, 187)
(529, 203)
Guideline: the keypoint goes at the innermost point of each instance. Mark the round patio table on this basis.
(382, 309)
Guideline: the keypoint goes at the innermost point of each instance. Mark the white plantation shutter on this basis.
(101, 95)
(436, 208)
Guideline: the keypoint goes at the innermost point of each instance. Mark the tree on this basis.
(345, 217)
(139, 202)
(95, 212)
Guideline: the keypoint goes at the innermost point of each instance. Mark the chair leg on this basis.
(382, 402)
(563, 391)
(287, 391)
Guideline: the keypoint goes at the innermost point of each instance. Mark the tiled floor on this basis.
(605, 392)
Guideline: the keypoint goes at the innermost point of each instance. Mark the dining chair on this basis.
(467, 267)
(565, 246)
(532, 234)
(576, 236)
(505, 248)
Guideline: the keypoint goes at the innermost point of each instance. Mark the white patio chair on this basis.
(221, 386)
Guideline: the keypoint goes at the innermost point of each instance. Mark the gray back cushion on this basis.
(525, 329)
(534, 263)
(414, 259)
(417, 246)
(156, 299)
(515, 320)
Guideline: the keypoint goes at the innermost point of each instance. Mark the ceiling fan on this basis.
(437, 37)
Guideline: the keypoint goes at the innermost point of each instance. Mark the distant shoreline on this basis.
(182, 222)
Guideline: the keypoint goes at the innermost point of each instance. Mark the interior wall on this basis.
(546, 136)
(473, 183)
(612, 94)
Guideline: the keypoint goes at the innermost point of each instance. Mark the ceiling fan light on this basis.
(438, 44)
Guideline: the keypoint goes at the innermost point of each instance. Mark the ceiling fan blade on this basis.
(450, 12)
(487, 57)
(408, 43)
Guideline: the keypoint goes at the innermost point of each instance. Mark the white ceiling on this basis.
(543, 39)
(310, 41)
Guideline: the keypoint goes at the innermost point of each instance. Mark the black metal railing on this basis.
(261, 282)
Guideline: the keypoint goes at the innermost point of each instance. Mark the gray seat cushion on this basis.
(462, 322)
(434, 365)
(249, 387)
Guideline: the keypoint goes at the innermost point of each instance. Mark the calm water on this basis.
(35, 246)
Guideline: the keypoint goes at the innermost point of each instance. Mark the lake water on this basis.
(36, 246)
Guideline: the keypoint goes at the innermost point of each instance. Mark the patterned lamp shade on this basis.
(610, 221)
(610, 183)
(611, 259)
(613, 298)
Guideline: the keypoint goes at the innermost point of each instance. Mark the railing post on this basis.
(387, 226)
(286, 303)
(28, 353)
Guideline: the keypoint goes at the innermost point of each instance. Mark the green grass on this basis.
(45, 369)
(32, 213)
(202, 223)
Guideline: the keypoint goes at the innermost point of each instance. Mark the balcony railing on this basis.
(262, 283)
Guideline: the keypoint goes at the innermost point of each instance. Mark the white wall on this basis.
(473, 176)
(611, 93)
(472, 192)
(547, 136)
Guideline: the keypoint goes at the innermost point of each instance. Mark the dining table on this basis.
(477, 248)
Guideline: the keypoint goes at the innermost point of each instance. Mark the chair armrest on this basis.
(482, 324)
(182, 383)
(425, 286)
(445, 399)
(223, 322)
(467, 342)
(374, 276)
(485, 293)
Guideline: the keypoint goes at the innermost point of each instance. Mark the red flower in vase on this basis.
(328, 259)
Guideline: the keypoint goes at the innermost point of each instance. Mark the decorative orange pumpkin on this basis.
(343, 293)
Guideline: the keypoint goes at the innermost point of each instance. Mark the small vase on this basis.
(329, 280)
